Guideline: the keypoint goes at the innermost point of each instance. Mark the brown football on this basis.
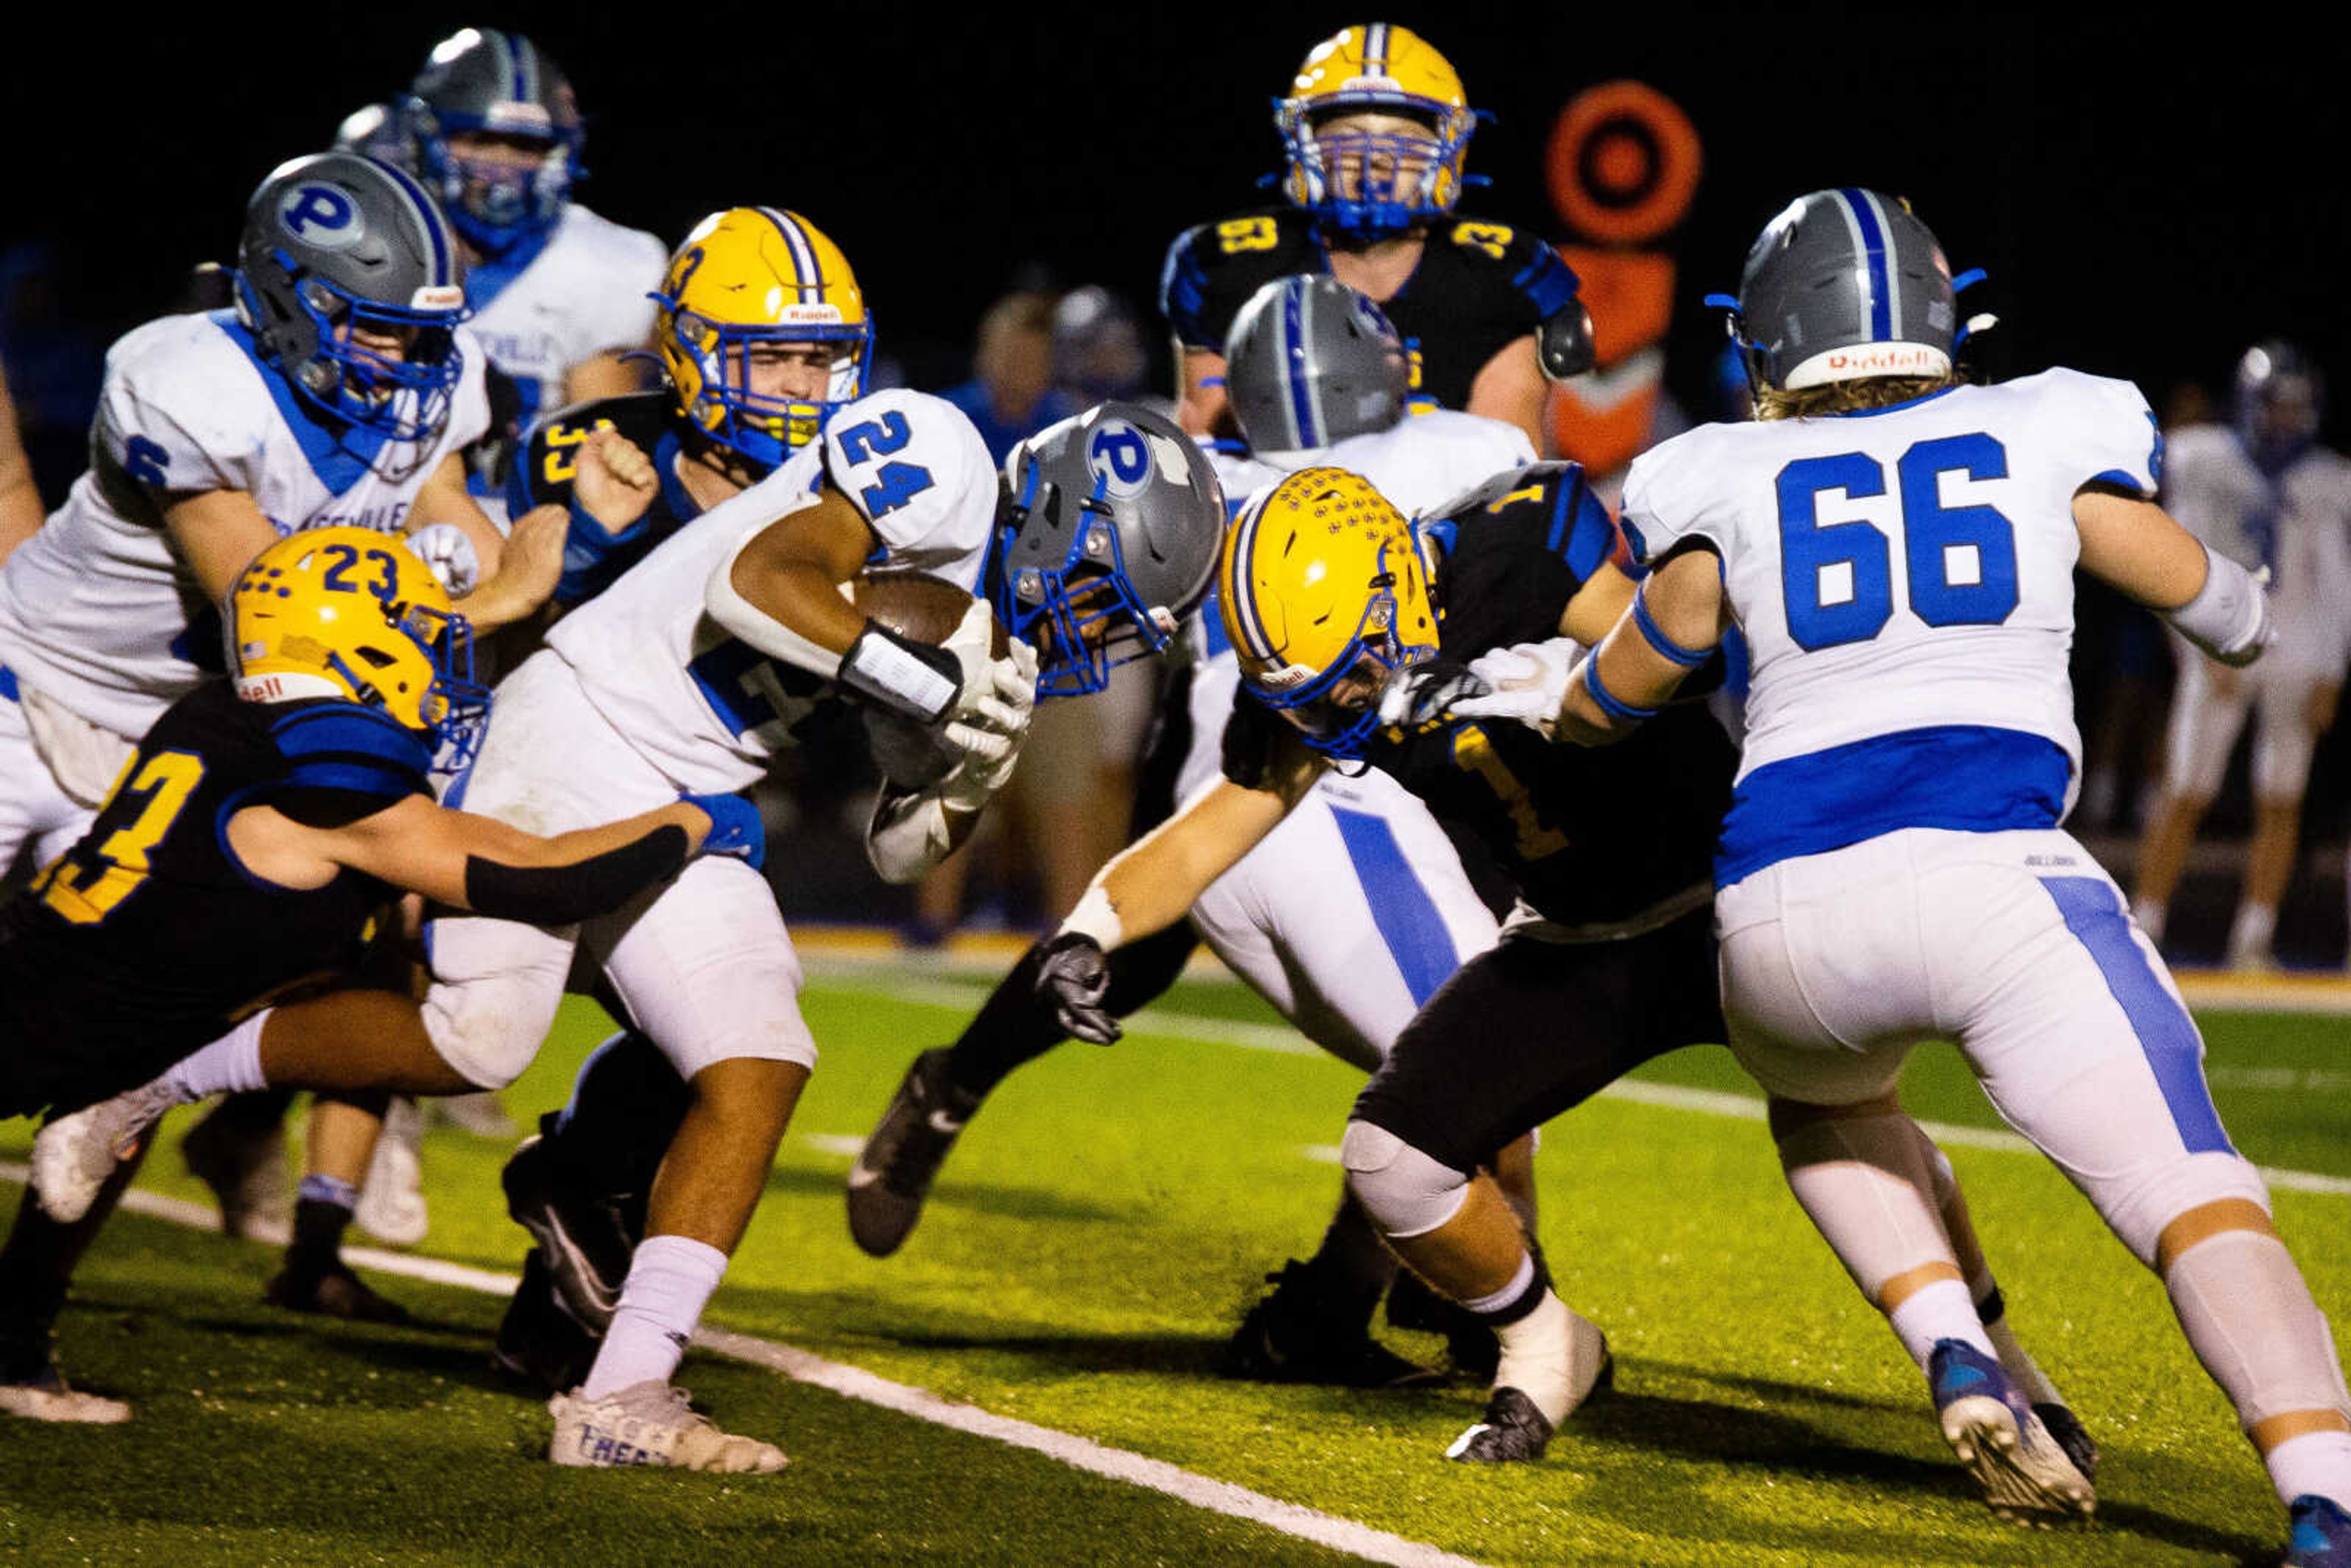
(927, 609)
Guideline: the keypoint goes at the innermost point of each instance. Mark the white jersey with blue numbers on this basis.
(586, 292)
(97, 610)
(1903, 580)
(710, 711)
(1420, 464)
(2296, 522)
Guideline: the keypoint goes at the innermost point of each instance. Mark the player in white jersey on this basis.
(2264, 494)
(704, 661)
(1897, 548)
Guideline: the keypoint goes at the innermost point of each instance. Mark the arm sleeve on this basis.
(562, 896)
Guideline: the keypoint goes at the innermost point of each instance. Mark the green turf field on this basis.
(1101, 1228)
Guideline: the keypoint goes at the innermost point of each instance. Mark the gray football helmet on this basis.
(1844, 285)
(1106, 538)
(336, 245)
(2280, 397)
(483, 82)
(1310, 362)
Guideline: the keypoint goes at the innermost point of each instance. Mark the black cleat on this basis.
(584, 1243)
(540, 1345)
(1472, 1348)
(1293, 1336)
(2072, 1436)
(902, 1157)
(1513, 1432)
(335, 1293)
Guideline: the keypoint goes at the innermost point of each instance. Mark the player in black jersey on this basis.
(251, 847)
(1375, 131)
(1354, 626)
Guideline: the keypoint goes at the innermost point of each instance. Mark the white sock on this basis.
(1942, 1310)
(2255, 924)
(1551, 1356)
(229, 1065)
(670, 1282)
(2316, 1464)
(2149, 912)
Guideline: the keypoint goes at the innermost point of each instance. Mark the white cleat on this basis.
(392, 1199)
(74, 1156)
(652, 1423)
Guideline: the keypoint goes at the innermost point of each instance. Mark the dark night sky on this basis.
(2141, 198)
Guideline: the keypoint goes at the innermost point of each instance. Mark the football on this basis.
(927, 609)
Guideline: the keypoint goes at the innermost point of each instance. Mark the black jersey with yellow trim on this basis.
(1477, 286)
(148, 938)
(1589, 837)
(592, 558)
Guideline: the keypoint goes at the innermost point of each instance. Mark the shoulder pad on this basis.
(343, 745)
(1528, 482)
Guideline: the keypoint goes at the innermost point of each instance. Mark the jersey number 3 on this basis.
(165, 781)
(1837, 577)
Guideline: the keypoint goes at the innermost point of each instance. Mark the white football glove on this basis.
(449, 554)
(991, 741)
(1527, 683)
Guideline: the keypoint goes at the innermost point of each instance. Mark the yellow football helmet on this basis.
(1325, 594)
(750, 276)
(1370, 183)
(353, 613)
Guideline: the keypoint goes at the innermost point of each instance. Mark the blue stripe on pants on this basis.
(1406, 916)
(2093, 914)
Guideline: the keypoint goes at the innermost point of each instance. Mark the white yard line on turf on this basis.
(855, 1383)
(1289, 1042)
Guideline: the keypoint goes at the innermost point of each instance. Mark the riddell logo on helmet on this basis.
(1884, 360)
(810, 315)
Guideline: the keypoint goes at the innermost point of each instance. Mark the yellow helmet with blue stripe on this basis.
(1325, 594)
(1369, 183)
(351, 613)
(750, 276)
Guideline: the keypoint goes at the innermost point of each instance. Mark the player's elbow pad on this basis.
(908, 835)
(566, 895)
(2230, 616)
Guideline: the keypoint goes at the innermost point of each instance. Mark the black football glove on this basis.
(1072, 977)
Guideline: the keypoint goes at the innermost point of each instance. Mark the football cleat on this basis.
(540, 1345)
(652, 1423)
(585, 1244)
(2026, 1475)
(1511, 1432)
(2321, 1535)
(2070, 1435)
(335, 1293)
(74, 1156)
(32, 1386)
(246, 1170)
(1293, 1336)
(902, 1157)
(391, 1205)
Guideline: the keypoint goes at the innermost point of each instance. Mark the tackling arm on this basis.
(516, 573)
(1676, 619)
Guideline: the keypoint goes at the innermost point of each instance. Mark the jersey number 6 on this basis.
(1837, 577)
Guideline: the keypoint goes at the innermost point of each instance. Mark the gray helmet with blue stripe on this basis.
(482, 81)
(1310, 362)
(338, 248)
(1841, 286)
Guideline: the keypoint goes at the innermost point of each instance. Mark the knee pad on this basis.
(1406, 1192)
(489, 1028)
(2251, 1319)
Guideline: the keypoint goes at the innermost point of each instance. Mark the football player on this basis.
(1899, 548)
(2266, 495)
(252, 843)
(703, 663)
(559, 293)
(1375, 132)
(1347, 918)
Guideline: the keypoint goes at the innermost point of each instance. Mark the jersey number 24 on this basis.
(1837, 577)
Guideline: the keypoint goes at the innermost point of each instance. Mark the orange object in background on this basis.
(1622, 163)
